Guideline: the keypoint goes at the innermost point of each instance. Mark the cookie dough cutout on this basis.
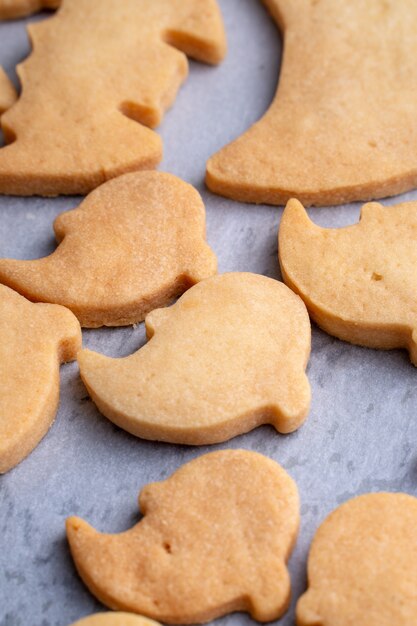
(229, 356)
(214, 539)
(11, 9)
(8, 94)
(83, 118)
(34, 340)
(133, 245)
(115, 619)
(362, 565)
(359, 283)
(343, 125)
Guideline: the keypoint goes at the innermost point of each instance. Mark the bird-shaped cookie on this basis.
(133, 245)
(34, 340)
(359, 283)
(100, 76)
(230, 355)
(215, 538)
(343, 124)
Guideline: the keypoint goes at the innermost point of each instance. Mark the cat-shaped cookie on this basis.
(359, 282)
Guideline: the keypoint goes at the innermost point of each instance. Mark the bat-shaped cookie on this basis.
(360, 282)
(99, 75)
(215, 538)
(362, 567)
(343, 124)
(228, 356)
(133, 245)
(34, 340)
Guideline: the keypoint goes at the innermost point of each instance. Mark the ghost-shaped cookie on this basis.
(34, 340)
(8, 93)
(115, 618)
(133, 245)
(215, 538)
(343, 124)
(228, 356)
(359, 282)
(100, 76)
(362, 567)
(10, 9)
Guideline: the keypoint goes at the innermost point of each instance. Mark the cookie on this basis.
(215, 538)
(133, 245)
(362, 567)
(82, 117)
(343, 125)
(358, 282)
(8, 93)
(229, 356)
(10, 9)
(115, 619)
(34, 340)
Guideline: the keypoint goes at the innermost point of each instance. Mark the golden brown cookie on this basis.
(343, 125)
(358, 282)
(8, 93)
(97, 69)
(362, 568)
(34, 340)
(133, 245)
(229, 356)
(215, 538)
(115, 619)
(10, 9)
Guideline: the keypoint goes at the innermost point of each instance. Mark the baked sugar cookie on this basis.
(10, 9)
(8, 93)
(362, 567)
(100, 73)
(34, 340)
(115, 619)
(133, 245)
(343, 125)
(359, 283)
(229, 356)
(215, 538)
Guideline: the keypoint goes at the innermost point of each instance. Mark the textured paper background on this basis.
(361, 432)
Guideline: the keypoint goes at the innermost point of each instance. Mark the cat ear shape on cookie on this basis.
(343, 124)
(34, 340)
(8, 94)
(11, 9)
(133, 245)
(362, 567)
(83, 118)
(230, 355)
(215, 538)
(359, 283)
